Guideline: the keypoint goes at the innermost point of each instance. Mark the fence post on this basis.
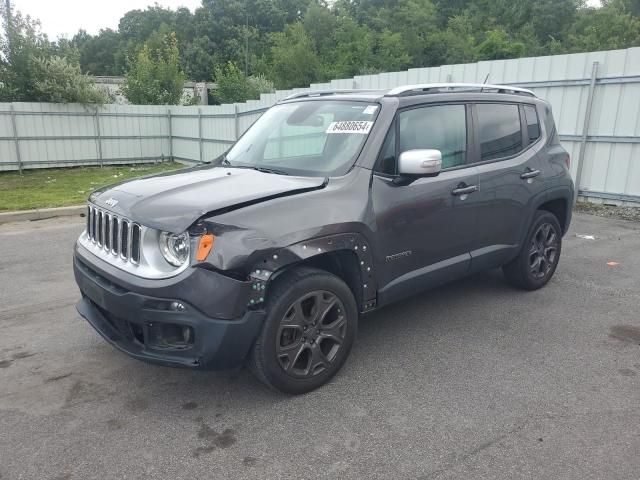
(98, 136)
(170, 134)
(585, 130)
(15, 138)
(236, 122)
(200, 134)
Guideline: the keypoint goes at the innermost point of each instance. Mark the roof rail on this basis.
(323, 93)
(450, 87)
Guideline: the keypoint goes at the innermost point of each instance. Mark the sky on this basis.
(63, 18)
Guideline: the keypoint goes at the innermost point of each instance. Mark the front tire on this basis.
(311, 323)
(537, 261)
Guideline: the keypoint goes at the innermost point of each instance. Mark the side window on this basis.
(440, 127)
(499, 130)
(550, 126)
(533, 125)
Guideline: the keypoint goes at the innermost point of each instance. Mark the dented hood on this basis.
(173, 201)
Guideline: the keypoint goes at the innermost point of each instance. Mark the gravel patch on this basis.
(609, 211)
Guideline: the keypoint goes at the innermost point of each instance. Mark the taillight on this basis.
(567, 160)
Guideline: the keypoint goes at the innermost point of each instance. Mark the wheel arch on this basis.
(346, 255)
(555, 200)
(560, 207)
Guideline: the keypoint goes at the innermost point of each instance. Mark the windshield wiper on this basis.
(227, 163)
(270, 170)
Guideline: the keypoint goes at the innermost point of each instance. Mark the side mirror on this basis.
(421, 163)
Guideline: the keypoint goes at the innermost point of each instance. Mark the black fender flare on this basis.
(278, 261)
(555, 193)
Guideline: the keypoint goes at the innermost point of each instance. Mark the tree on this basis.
(102, 54)
(294, 61)
(155, 77)
(549, 18)
(20, 45)
(296, 42)
(391, 53)
(627, 6)
(59, 81)
(30, 72)
(320, 25)
(455, 44)
(141, 24)
(232, 86)
(606, 28)
(196, 58)
(352, 51)
(497, 45)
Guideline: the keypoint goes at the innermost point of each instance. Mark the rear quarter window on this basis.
(550, 126)
(533, 124)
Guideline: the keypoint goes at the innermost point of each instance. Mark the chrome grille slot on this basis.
(100, 229)
(135, 243)
(124, 240)
(90, 223)
(94, 221)
(107, 232)
(115, 231)
(114, 235)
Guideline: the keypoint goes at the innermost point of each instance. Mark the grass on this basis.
(59, 187)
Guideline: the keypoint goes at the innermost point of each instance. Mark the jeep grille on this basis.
(115, 235)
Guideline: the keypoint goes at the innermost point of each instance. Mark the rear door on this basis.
(505, 152)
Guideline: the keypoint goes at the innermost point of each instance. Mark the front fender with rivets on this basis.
(267, 268)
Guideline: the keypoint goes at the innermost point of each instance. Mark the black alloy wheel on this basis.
(311, 334)
(311, 320)
(543, 250)
(538, 258)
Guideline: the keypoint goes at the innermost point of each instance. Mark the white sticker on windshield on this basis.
(370, 110)
(350, 127)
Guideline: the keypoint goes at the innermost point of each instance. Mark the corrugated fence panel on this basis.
(184, 131)
(218, 130)
(8, 156)
(218, 123)
(186, 150)
(633, 175)
(245, 121)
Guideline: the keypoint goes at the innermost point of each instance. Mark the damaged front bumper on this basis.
(198, 319)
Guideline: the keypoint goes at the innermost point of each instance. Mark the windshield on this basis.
(317, 138)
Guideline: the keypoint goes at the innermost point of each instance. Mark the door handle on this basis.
(463, 190)
(530, 174)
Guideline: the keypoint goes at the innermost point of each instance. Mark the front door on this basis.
(426, 229)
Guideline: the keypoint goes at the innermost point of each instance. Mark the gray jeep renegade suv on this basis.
(331, 205)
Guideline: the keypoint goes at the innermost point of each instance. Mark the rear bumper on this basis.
(144, 326)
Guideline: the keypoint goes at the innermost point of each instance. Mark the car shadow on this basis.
(417, 315)
(445, 297)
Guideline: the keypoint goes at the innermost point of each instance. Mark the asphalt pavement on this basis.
(474, 380)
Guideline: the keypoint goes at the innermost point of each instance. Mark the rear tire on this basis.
(311, 323)
(537, 261)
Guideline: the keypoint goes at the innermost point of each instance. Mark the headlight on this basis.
(174, 248)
